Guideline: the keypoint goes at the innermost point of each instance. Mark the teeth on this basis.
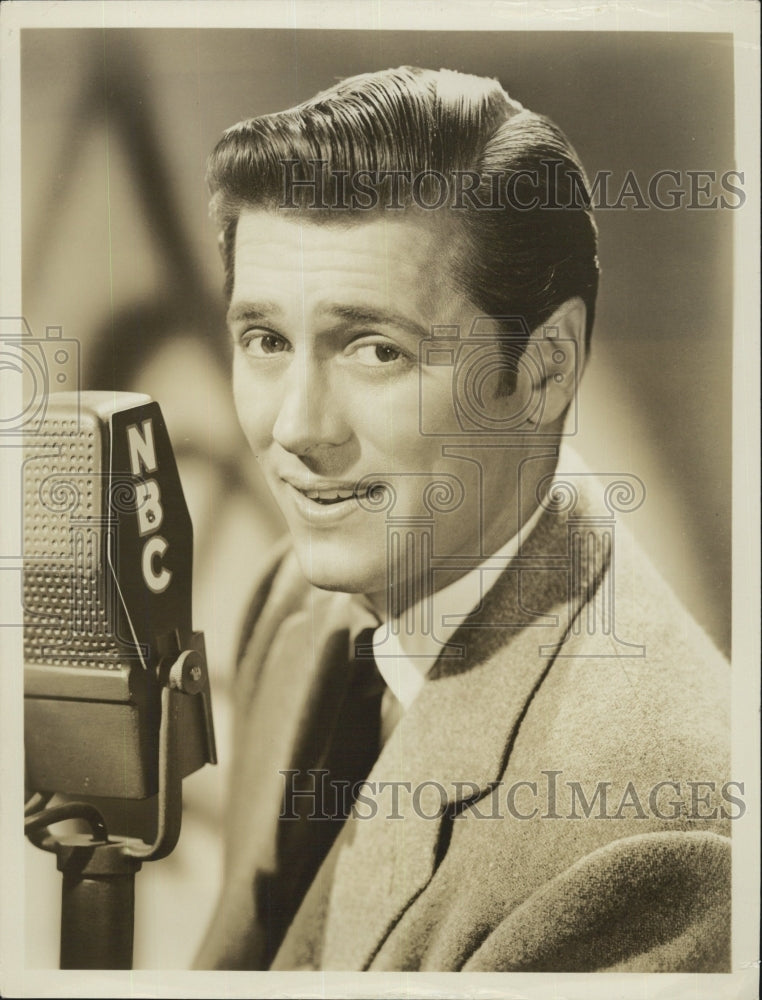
(329, 495)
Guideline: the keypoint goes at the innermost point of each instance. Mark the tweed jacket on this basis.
(560, 798)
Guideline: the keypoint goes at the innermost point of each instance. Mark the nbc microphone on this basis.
(108, 549)
(116, 691)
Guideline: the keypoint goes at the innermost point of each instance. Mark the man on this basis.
(411, 270)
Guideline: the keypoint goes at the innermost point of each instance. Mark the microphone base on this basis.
(98, 904)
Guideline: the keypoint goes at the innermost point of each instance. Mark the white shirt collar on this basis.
(405, 650)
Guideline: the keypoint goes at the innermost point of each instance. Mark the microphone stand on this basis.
(98, 896)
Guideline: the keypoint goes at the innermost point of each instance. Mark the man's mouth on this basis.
(331, 495)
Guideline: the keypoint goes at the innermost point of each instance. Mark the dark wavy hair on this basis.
(509, 259)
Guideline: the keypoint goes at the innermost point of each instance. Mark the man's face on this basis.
(326, 323)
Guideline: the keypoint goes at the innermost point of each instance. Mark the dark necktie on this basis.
(356, 737)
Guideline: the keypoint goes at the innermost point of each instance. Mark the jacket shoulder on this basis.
(652, 704)
(279, 588)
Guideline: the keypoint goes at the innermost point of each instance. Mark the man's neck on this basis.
(509, 527)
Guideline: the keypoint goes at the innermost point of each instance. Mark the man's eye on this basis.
(374, 355)
(263, 344)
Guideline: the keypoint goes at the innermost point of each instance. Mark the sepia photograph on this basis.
(380, 557)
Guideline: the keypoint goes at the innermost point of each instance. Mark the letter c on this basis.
(153, 550)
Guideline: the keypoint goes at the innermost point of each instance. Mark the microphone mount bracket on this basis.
(98, 900)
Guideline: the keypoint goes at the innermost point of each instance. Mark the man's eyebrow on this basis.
(367, 314)
(252, 311)
(260, 311)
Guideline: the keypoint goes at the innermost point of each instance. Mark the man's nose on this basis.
(310, 413)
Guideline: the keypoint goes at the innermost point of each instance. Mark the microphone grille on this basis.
(68, 607)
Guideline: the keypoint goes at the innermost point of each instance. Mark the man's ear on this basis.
(555, 359)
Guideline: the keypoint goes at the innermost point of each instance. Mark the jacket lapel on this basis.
(290, 687)
(450, 747)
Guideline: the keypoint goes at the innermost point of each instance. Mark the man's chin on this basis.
(346, 575)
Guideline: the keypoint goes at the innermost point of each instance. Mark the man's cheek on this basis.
(255, 430)
(254, 416)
